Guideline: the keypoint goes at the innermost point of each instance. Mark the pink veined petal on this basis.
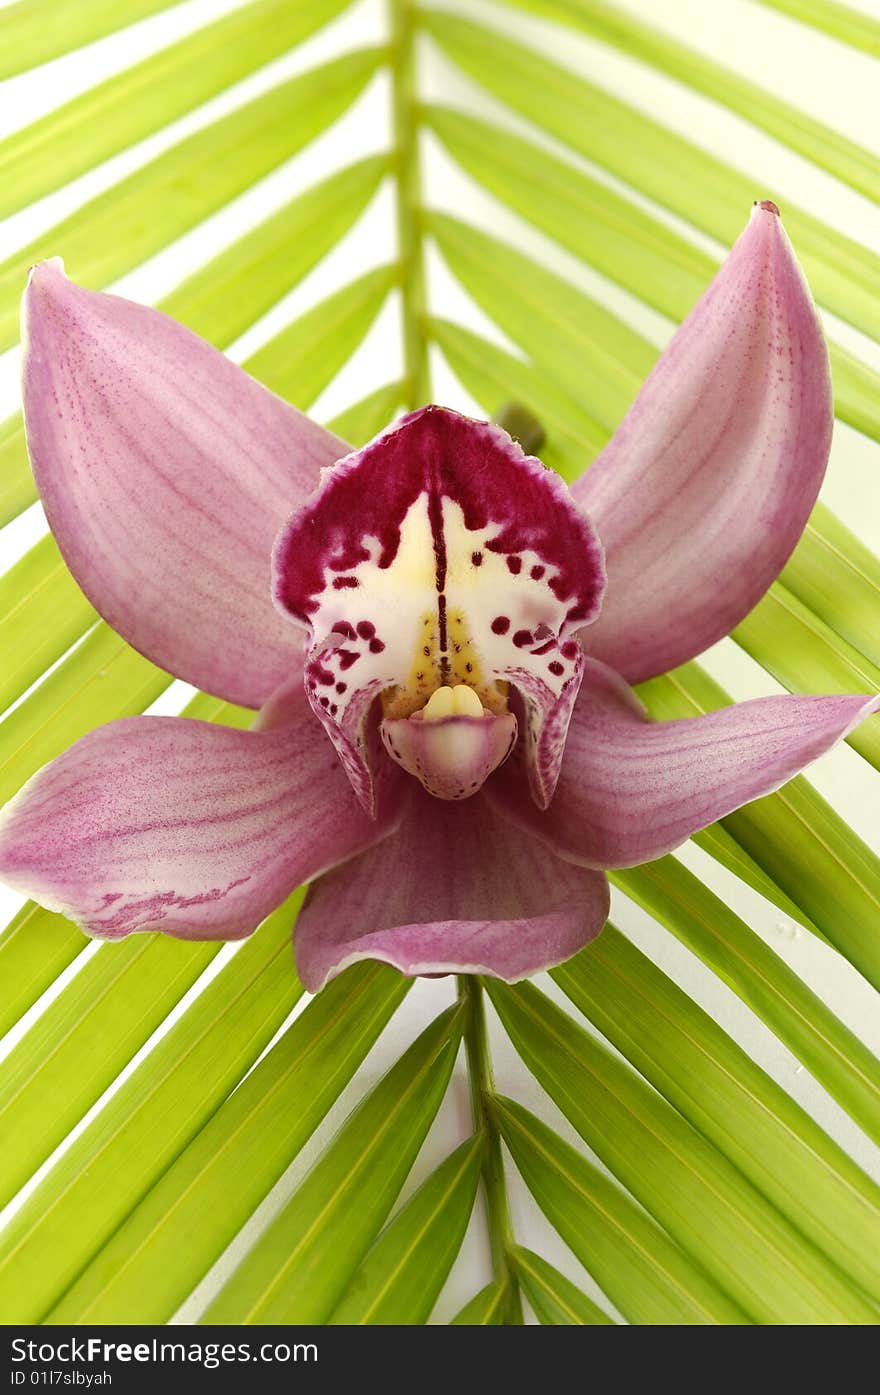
(455, 890)
(631, 790)
(440, 554)
(166, 473)
(705, 488)
(164, 823)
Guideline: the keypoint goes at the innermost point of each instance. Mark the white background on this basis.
(830, 81)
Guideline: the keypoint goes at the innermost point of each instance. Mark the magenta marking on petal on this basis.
(157, 910)
(366, 496)
(545, 725)
(443, 635)
(500, 625)
(514, 565)
(577, 615)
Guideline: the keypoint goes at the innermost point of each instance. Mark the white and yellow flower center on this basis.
(434, 569)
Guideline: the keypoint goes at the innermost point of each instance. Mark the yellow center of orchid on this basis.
(460, 701)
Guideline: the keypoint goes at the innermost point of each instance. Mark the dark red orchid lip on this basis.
(167, 473)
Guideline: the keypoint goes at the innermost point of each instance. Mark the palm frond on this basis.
(305, 1260)
(642, 1271)
(840, 21)
(401, 1278)
(703, 1200)
(168, 1109)
(34, 31)
(143, 1274)
(555, 1299)
(826, 147)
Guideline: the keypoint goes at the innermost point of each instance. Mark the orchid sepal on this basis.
(704, 489)
(166, 473)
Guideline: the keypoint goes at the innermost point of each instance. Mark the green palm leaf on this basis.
(146, 1123)
(304, 1262)
(153, 1093)
(230, 1165)
(485, 1309)
(697, 1195)
(33, 31)
(730, 1099)
(35, 947)
(794, 128)
(632, 247)
(843, 22)
(405, 1270)
(127, 107)
(742, 960)
(639, 1267)
(556, 1300)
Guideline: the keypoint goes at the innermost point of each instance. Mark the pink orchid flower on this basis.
(439, 635)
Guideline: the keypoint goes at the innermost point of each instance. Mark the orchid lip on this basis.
(453, 754)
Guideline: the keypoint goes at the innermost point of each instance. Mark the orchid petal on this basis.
(631, 790)
(440, 554)
(704, 490)
(166, 474)
(455, 890)
(165, 823)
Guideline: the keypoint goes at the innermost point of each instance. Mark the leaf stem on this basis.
(405, 127)
(482, 1085)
